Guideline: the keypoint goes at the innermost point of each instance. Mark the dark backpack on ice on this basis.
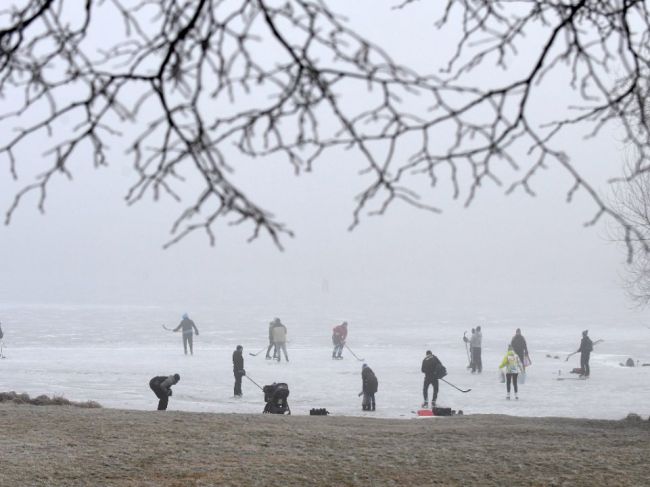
(318, 412)
(443, 412)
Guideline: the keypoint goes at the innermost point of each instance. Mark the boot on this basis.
(425, 404)
(508, 397)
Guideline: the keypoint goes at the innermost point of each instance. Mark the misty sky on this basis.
(500, 254)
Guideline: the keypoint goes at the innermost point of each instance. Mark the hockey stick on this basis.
(354, 354)
(168, 329)
(469, 358)
(256, 353)
(254, 382)
(455, 387)
(572, 354)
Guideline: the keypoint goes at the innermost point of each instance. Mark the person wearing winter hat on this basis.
(520, 347)
(430, 368)
(586, 347)
(513, 367)
(369, 384)
(162, 387)
(189, 329)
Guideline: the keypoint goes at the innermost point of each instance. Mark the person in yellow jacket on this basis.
(512, 367)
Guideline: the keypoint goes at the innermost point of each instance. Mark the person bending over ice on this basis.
(370, 384)
(162, 387)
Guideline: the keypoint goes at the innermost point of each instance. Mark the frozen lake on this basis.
(109, 353)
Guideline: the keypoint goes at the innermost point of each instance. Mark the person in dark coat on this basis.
(189, 328)
(586, 346)
(518, 343)
(430, 366)
(370, 384)
(162, 387)
(238, 368)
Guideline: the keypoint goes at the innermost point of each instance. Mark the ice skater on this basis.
(468, 343)
(513, 367)
(431, 366)
(272, 325)
(1, 342)
(339, 335)
(369, 384)
(518, 343)
(189, 329)
(586, 347)
(238, 368)
(475, 344)
(162, 386)
(280, 341)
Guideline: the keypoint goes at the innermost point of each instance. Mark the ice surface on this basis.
(108, 354)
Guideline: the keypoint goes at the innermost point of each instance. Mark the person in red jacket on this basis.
(339, 334)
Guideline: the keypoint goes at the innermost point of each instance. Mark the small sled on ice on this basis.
(275, 396)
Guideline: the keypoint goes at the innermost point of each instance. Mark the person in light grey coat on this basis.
(162, 387)
(280, 340)
(475, 344)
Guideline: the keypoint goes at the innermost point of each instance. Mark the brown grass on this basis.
(68, 446)
(43, 400)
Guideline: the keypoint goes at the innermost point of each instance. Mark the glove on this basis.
(242, 372)
(169, 392)
(196, 333)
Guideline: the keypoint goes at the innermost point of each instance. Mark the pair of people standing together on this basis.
(277, 340)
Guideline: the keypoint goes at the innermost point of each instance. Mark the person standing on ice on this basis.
(468, 342)
(586, 347)
(518, 343)
(513, 366)
(162, 386)
(272, 325)
(238, 368)
(189, 329)
(339, 334)
(430, 367)
(280, 340)
(369, 384)
(475, 344)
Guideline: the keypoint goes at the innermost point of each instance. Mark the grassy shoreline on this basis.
(62, 445)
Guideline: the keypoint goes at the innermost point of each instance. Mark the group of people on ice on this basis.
(512, 365)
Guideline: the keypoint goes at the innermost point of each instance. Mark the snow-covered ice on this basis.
(109, 353)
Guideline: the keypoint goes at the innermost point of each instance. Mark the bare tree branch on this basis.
(193, 85)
